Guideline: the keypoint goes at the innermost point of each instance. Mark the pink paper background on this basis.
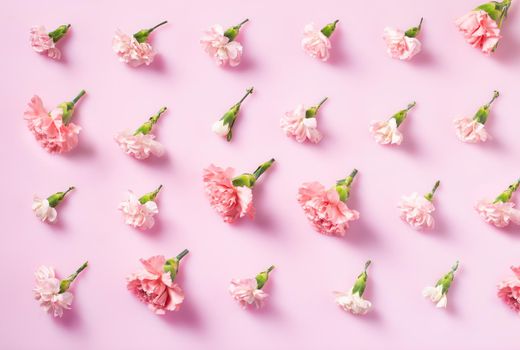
(447, 79)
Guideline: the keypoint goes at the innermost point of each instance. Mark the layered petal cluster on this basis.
(436, 296)
(386, 132)
(509, 290)
(220, 48)
(137, 214)
(480, 30)
(353, 302)
(416, 211)
(47, 292)
(296, 125)
(246, 293)
(41, 42)
(499, 213)
(139, 146)
(43, 210)
(399, 45)
(315, 43)
(131, 51)
(470, 130)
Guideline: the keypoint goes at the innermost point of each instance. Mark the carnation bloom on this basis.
(501, 211)
(417, 210)
(54, 131)
(45, 209)
(472, 130)
(154, 284)
(316, 42)
(232, 197)
(141, 143)
(402, 45)
(387, 132)
(326, 209)
(139, 212)
(221, 45)
(224, 126)
(301, 123)
(438, 294)
(248, 291)
(43, 42)
(135, 50)
(509, 290)
(352, 301)
(51, 293)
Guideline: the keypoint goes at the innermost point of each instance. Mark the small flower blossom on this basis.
(51, 293)
(224, 126)
(45, 209)
(248, 291)
(387, 132)
(325, 209)
(301, 123)
(232, 197)
(402, 45)
(417, 210)
(439, 293)
(53, 130)
(316, 43)
(222, 46)
(141, 143)
(501, 211)
(43, 42)
(139, 212)
(135, 50)
(155, 284)
(352, 301)
(472, 130)
(509, 290)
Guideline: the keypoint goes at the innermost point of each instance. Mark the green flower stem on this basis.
(262, 277)
(508, 193)
(65, 284)
(361, 281)
(414, 31)
(142, 35)
(401, 115)
(150, 196)
(248, 92)
(262, 168)
(482, 114)
(182, 254)
(447, 279)
(231, 33)
(147, 126)
(343, 186)
(56, 198)
(157, 26)
(172, 265)
(77, 98)
(329, 28)
(429, 196)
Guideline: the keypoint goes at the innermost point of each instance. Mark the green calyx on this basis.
(262, 277)
(68, 108)
(65, 284)
(429, 195)
(446, 280)
(507, 194)
(147, 127)
(142, 35)
(231, 33)
(150, 196)
(414, 31)
(482, 114)
(343, 186)
(59, 32)
(172, 265)
(496, 10)
(231, 115)
(313, 111)
(329, 28)
(56, 198)
(401, 115)
(361, 281)
(249, 180)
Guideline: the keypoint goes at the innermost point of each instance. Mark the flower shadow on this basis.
(70, 320)
(187, 316)
(247, 63)
(508, 49)
(338, 55)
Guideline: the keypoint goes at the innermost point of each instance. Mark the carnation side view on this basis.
(481, 27)
(135, 50)
(439, 293)
(417, 210)
(472, 130)
(402, 45)
(316, 42)
(249, 291)
(141, 143)
(45, 209)
(139, 212)
(53, 130)
(224, 126)
(301, 123)
(155, 284)
(501, 211)
(509, 290)
(232, 197)
(45, 43)
(326, 209)
(387, 132)
(52, 293)
(221, 45)
(352, 301)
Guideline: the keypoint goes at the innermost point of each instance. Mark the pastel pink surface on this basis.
(448, 79)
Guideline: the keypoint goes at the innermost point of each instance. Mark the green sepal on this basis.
(482, 114)
(262, 277)
(232, 32)
(57, 197)
(171, 266)
(507, 194)
(150, 196)
(68, 111)
(329, 28)
(491, 9)
(361, 281)
(247, 180)
(65, 284)
(59, 32)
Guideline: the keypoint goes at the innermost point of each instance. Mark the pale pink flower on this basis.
(41, 42)
(399, 45)
(220, 48)
(229, 201)
(296, 125)
(509, 290)
(353, 302)
(47, 292)
(386, 132)
(49, 129)
(315, 43)
(153, 286)
(245, 292)
(139, 146)
(324, 209)
(136, 214)
(436, 295)
(470, 130)
(43, 210)
(131, 51)
(417, 211)
(480, 30)
(498, 213)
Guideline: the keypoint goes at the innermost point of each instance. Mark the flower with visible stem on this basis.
(224, 126)
(45, 209)
(472, 130)
(221, 44)
(316, 43)
(352, 300)
(403, 45)
(43, 42)
(387, 132)
(139, 212)
(501, 211)
(301, 123)
(417, 210)
(439, 293)
(249, 291)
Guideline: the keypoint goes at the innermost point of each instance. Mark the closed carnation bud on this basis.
(220, 128)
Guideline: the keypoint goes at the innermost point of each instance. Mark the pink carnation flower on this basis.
(295, 124)
(509, 290)
(386, 132)
(220, 48)
(480, 30)
(47, 292)
(43, 210)
(139, 146)
(315, 43)
(49, 129)
(136, 214)
(131, 51)
(245, 292)
(153, 286)
(417, 211)
(324, 209)
(399, 45)
(498, 213)
(470, 130)
(41, 42)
